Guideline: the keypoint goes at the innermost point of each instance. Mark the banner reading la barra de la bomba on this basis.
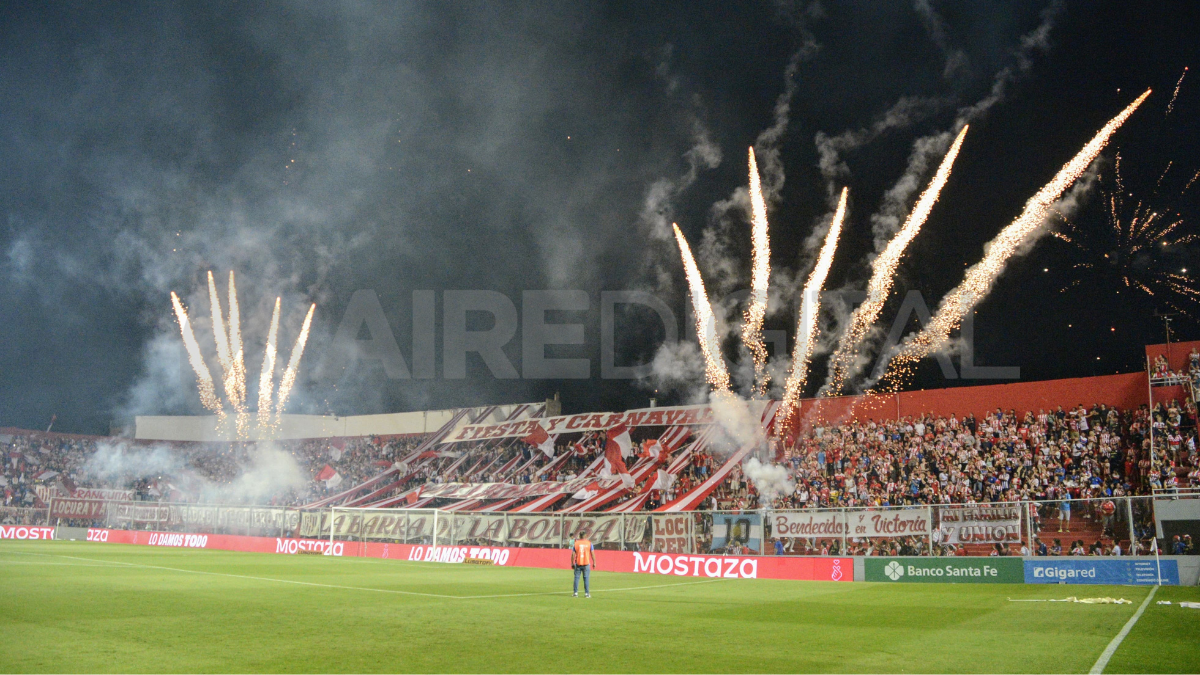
(946, 570)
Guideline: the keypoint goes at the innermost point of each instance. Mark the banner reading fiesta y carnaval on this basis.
(654, 417)
(510, 491)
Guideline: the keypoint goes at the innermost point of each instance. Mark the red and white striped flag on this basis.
(590, 490)
(663, 481)
(541, 440)
(614, 465)
(619, 436)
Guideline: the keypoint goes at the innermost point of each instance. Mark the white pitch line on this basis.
(370, 590)
(23, 562)
(598, 590)
(1111, 649)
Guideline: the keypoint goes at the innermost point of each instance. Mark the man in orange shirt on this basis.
(582, 558)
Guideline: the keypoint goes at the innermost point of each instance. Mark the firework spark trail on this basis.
(238, 362)
(221, 338)
(1175, 95)
(235, 340)
(706, 326)
(982, 276)
(289, 375)
(760, 275)
(810, 310)
(204, 381)
(1189, 183)
(265, 380)
(883, 275)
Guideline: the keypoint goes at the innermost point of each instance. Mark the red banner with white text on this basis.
(666, 564)
(26, 532)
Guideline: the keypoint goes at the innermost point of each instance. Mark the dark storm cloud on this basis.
(323, 148)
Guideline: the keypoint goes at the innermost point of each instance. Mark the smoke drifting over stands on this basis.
(320, 150)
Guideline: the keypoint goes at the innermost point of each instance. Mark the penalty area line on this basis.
(1111, 649)
(367, 589)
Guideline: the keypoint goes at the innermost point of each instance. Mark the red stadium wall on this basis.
(1127, 390)
(667, 564)
(1177, 353)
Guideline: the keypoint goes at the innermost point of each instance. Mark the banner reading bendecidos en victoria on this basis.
(809, 525)
(836, 524)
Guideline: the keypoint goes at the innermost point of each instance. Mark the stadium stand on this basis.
(1090, 454)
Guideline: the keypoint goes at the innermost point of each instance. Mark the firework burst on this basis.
(1134, 245)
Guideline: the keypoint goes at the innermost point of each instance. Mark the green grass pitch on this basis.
(85, 607)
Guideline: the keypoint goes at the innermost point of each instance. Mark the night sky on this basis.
(318, 149)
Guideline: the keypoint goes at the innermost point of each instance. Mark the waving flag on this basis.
(413, 496)
(614, 465)
(541, 440)
(654, 450)
(619, 436)
(663, 481)
(330, 476)
(591, 490)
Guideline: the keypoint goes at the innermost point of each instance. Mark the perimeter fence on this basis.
(1113, 526)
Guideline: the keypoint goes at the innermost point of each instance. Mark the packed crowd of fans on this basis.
(181, 472)
(1078, 453)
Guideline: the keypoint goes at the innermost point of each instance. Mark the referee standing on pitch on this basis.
(582, 557)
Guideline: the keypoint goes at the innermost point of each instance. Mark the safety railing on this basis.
(1106, 526)
(1110, 526)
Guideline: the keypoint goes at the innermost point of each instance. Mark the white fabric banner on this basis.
(979, 524)
(653, 417)
(551, 529)
(808, 524)
(890, 523)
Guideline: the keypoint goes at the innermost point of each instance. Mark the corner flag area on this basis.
(88, 607)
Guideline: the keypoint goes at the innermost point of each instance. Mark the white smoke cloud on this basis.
(267, 472)
(957, 63)
(738, 421)
(903, 113)
(679, 367)
(771, 480)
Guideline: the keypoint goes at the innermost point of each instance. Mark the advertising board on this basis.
(945, 570)
(1096, 570)
(703, 566)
